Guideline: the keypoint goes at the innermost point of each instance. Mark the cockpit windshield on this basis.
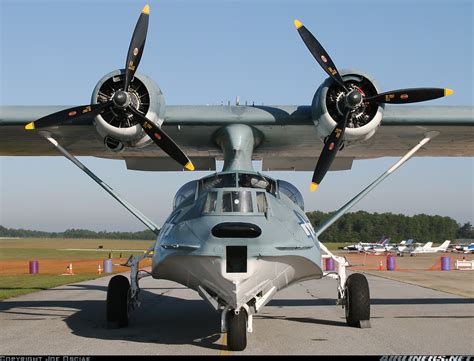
(217, 181)
(240, 180)
(257, 181)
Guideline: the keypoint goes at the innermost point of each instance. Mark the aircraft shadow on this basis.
(161, 319)
(315, 321)
(164, 319)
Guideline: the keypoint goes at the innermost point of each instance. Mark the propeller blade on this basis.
(329, 152)
(162, 140)
(67, 115)
(137, 44)
(413, 95)
(319, 53)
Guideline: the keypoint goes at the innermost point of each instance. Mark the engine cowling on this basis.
(118, 127)
(327, 107)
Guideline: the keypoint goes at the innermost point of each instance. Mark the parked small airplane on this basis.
(379, 248)
(428, 248)
(354, 248)
(366, 246)
(469, 248)
(405, 247)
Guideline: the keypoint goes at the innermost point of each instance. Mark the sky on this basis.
(208, 52)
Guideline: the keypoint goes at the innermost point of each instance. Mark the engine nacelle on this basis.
(328, 108)
(117, 127)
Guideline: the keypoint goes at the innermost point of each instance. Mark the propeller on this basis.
(353, 99)
(121, 100)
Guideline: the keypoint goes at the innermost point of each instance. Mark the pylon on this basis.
(99, 269)
(381, 266)
(70, 271)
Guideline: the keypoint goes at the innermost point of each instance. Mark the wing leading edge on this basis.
(290, 138)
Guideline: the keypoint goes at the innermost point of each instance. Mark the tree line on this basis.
(76, 233)
(352, 227)
(370, 227)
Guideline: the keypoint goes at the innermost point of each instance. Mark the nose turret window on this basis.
(211, 201)
(240, 202)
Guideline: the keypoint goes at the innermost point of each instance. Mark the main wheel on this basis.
(357, 304)
(118, 301)
(237, 330)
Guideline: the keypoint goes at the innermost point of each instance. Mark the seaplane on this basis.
(239, 236)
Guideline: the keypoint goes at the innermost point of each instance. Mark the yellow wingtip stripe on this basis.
(30, 126)
(189, 166)
(146, 9)
(448, 92)
(298, 24)
(313, 186)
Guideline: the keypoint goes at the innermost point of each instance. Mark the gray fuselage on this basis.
(237, 234)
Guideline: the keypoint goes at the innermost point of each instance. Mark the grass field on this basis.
(16, 285)
(53, 257)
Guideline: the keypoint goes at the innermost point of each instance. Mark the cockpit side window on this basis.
(188, 191)
(239, 201)
(291, 192)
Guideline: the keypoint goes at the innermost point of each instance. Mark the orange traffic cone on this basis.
(381, 266)
(70, 271)
(99, 269)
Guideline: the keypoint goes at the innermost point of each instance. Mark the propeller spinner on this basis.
(353, 100)
(121, 100)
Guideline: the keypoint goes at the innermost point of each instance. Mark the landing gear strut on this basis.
(122, 295)
(352, 292)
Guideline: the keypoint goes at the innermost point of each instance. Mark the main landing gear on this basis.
(357, 301)
(118, 302)
(122, 295)
(352, 292)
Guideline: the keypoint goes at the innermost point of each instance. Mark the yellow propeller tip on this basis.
(146, 9)
(448, 92)
(189, 166)
(313, 186)
(30, 126)
(298, 24)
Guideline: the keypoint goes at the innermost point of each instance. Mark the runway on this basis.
(173, 320)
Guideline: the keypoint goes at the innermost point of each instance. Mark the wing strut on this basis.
(142, 218)
(341, 262)
(343, 210)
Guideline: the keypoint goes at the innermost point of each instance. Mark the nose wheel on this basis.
(237, 330)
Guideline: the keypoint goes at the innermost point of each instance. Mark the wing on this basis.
(291, 139)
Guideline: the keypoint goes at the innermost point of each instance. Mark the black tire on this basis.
(237, 331)
(118, 301)
(357, 306)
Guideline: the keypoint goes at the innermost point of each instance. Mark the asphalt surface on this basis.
(303, 319)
